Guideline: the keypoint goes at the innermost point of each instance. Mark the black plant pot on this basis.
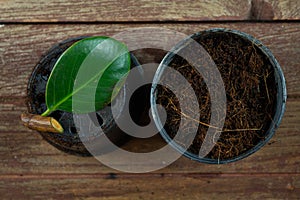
(69, 141)
(278, 81)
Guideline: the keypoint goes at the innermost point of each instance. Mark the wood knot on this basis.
(261, 10)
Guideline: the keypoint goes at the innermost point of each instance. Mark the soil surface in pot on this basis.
(250, 86)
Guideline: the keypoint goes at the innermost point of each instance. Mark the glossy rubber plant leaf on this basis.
(84, 76)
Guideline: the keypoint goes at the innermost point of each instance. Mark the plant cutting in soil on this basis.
(101, 57)
(251, 90)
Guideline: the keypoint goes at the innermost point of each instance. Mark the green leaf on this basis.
(84, 76)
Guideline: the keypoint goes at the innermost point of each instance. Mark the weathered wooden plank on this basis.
(274, 10)
(187, 186)
(11, 109)
(29, 154)
(122, 10)
(26, 152)
(21, 47)
(145, 10)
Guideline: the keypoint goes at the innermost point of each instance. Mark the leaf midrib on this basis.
(49, 110)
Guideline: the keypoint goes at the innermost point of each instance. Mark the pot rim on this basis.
(280, 101)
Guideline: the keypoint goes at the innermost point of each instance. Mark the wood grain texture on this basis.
(122, 10)
(22, 46)
(32, 168)
(189, 186)
(275, 10)
(281, 9)
(25, 152)
(146, 10)
(30, 154)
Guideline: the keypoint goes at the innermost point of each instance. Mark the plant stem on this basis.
(43, 124)
(46, 113)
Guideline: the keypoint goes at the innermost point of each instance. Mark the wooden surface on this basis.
(31, 168)
(167, 186)
(147, 10)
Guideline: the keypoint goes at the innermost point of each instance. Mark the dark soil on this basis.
(250, 89)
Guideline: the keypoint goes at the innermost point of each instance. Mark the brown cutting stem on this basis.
(40, 123)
